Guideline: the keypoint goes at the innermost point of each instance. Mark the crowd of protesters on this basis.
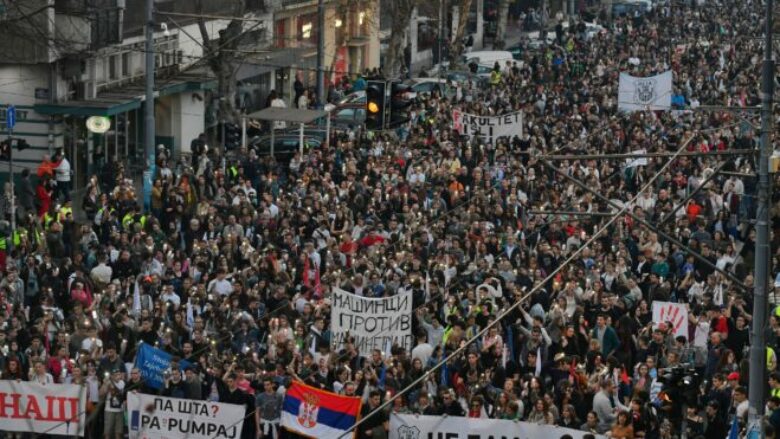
(235, 260)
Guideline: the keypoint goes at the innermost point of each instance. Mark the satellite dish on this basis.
(98, 124)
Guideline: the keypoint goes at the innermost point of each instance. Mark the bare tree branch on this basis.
(402, 15)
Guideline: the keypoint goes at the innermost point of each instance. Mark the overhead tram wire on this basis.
(458, 281)
(520, 301)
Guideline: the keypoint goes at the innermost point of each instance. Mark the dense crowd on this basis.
(234, 264)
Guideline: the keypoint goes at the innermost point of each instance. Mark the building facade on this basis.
(67, 60)
(351, 38)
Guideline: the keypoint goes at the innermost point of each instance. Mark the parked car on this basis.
(348, 116)
(317, 131)
(631, 7)
(488, 57)
(354, 97)
(285, 144)
(517, 51)
(426, 86)
(463, 77)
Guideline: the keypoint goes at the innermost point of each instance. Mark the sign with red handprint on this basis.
(671, 314)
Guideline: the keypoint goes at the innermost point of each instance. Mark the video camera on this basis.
(681, 385)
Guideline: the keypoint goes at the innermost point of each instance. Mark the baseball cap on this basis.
(733, 376)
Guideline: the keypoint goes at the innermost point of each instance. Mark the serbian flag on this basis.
(319, 414)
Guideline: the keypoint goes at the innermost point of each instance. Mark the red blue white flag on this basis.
(317, 413)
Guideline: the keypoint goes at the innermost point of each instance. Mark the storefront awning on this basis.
(127, 97)
(261, 63)
(91, 107)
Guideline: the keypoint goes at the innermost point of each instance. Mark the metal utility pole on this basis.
(10, 121)
(321, 53)
(543, 24)
(149, 147)
(757, 388)
(441, 39)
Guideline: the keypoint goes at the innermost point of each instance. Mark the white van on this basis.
(489, 58)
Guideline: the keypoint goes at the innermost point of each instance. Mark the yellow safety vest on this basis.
(127, 220)
(495, 77)
(47, 220)
(17, 236)
(64, 211)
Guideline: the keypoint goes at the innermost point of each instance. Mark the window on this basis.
(280, 34)
(424, 87)
(307, 28)
(306, 31)
(112, 67)
(126, 64)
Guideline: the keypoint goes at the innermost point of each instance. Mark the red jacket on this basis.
(55, 368)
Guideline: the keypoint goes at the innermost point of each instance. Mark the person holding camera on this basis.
(113, 391)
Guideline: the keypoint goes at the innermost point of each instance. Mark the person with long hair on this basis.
(623, 427)
(13, 370)
(569, 417)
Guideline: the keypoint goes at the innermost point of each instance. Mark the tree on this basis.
(464, 6)
(503, 17)
(221, 55)
(401, 11)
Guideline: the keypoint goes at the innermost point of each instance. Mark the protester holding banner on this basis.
(229, 393)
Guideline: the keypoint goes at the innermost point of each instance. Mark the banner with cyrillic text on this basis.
(488, 128)
(455, 427)
(153, 362)
(57, 409)
(371, 323)
(159, 417)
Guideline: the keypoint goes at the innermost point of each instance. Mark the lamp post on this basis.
(757, 383)
(149, 134)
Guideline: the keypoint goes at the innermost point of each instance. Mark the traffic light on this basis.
(399, 104)
(232, 136)
(20, 144)
(8, 145)
(375, 105)
(5, 151)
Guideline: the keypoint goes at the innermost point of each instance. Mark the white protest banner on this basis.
(641, 161)
(58, 409)
(642, 94)
(455, 427)
(675, 314)
(373, 323)
(488, 128)
(159, 417)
